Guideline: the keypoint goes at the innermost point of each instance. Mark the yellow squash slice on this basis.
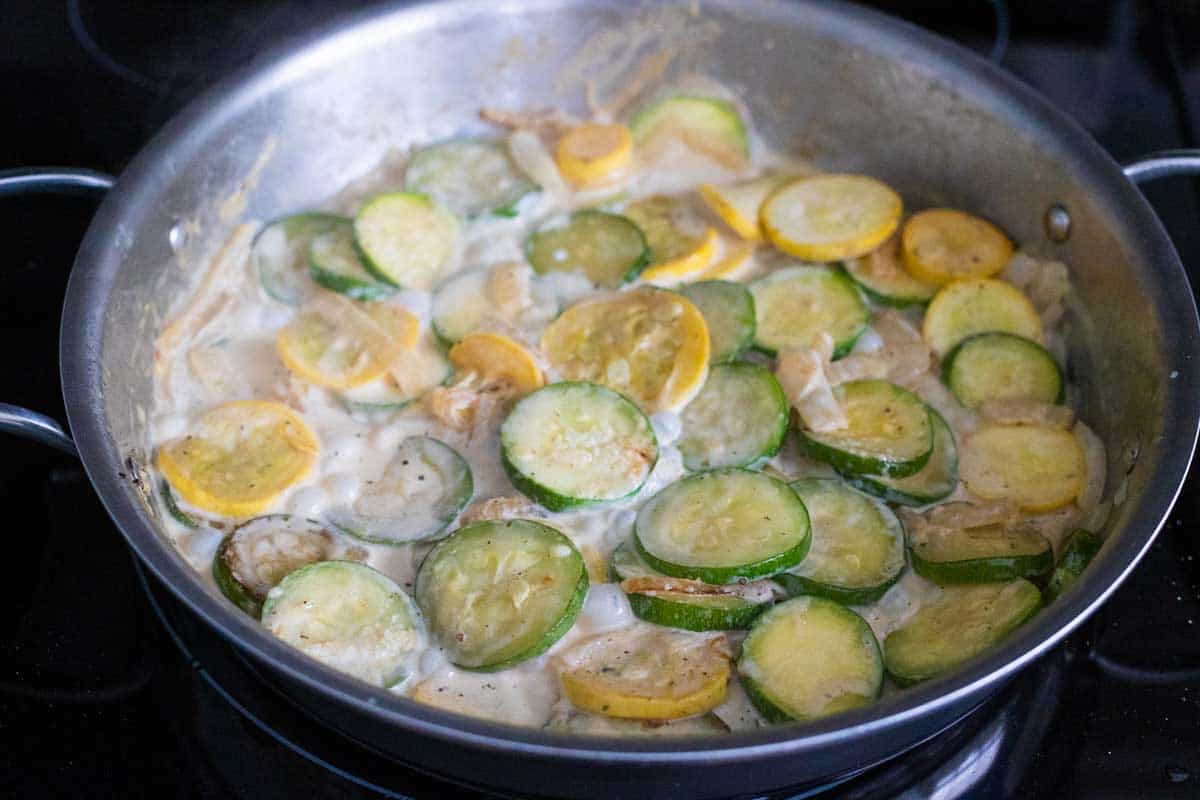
(497, 360)
(738, 205)
(594, 153)
(831, 217)
(1039, 469)
(239, 457)
(648, 674)
(680, 247)
(942, 245)
(340, 344)
(965, 308)
(732, 263)
(648, 344)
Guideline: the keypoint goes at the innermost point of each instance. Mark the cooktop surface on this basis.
(108, 688)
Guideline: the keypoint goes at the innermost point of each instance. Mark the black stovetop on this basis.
(108, 690)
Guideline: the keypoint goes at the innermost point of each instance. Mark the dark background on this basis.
(95, 701)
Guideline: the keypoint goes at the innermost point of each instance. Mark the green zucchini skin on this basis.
(229, 586)
(172, 505)
(935, 481)
(722, 574)
(693, 616)
(1079, 549)
(878, 295)
(939, 638)
(491, 534)
(848, 462)
(957, 366)
(728, 308)
(334, 263)
(983, 570)
(547, 496)
(541, 244)
(701, 449)
(797, 585)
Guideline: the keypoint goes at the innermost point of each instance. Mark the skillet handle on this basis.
(46, 180)
(1163, 164)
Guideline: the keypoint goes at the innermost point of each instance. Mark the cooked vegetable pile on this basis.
(628, 427)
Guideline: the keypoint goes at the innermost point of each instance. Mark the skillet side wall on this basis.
(844, 86)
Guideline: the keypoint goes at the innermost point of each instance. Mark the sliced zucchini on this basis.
(882, 277)
(738, 419)
(980, 555)
(889, 431)
(677, 602)
(794, 305)
(258, 554)
(280, 254)
(933, 482)
(857, 548)
(405, 239)
(348, 616)
(651, 345)
(1039, 469)
(680, 245)
(465, 304)
(172, 505)
(959, 624)
(942, 245)
(499, 592)
(710, 126)
(831, 217)
(608, 249)
(576, 444)
(1001, 366)
(419, 494)
(723, 525)
(1078, 551)
(965, 308)
(810, 657)
(694, 612)
(239, 457)
(728, 310)
(646, 673)
(469, 177)
(335, 265)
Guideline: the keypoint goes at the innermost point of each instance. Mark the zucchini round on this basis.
(692, 611)
(857, 548)
(334, 264)
(723, 525)
(1001, 366)
(280, 254)
(470, 177)
(576, 444)
(499, 592)
(419, 494)
(348, 616)
(889, 431)
(965, 308)
(981, 555)
(1078, 551)
(405, 239)
(810, 657)
(258, 554)
(883, 279)
(172, 505)
(794, 305)
(707, 124)
(728, 310)
(608, 249)
(959, 624)
(933, 482)
(738, 419)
